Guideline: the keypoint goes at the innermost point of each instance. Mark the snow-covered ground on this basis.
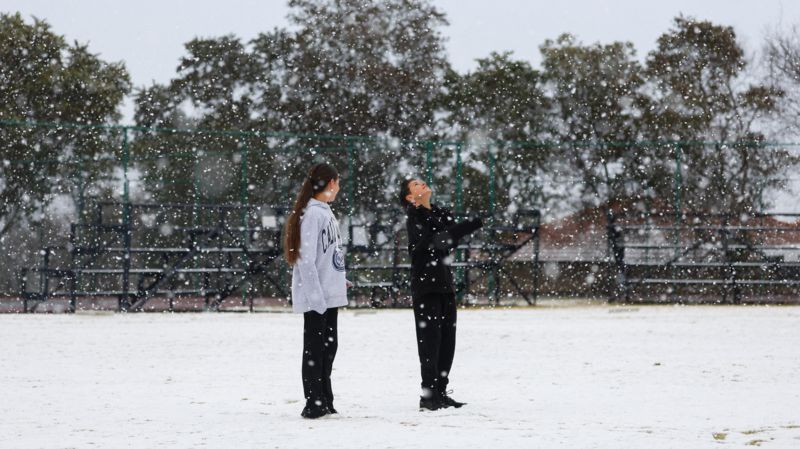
(545, 377)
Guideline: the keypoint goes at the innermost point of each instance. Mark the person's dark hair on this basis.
(317, 179)
(404, 191)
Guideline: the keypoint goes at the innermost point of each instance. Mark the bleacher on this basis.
(137, 252)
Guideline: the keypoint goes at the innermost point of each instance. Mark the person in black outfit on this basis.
(432, 235)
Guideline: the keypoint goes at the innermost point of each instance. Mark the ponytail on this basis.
(317, 179)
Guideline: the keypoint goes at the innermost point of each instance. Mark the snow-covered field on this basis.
(545, 377)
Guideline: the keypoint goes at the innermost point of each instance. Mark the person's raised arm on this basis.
(449, 239)
(421, 238)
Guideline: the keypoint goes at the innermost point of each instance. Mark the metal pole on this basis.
(23, 288)
(350, 196)
(244, 186)
(493, 272)
(350, 180)
(44, 280)
(197, 278)
(73, 281)
(459, 253)
(677, 185)
(244, 201)
(536, 270)
(81, 191)
(678, 210)
(458, 178)
(126, 224)
(196, 188)
(492, 167)
(429, 162)
(125, 161)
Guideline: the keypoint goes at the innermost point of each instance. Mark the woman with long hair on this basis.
(432, 235)
(313, 247)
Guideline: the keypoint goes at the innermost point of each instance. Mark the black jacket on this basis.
(432, 235)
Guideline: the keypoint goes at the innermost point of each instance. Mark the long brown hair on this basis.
(317, 179)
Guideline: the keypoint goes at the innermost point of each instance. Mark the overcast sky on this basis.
(149, 35)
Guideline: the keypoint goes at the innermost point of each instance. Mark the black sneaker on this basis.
(332, 410)
(431, 403)
(447, 401)
(314, 410)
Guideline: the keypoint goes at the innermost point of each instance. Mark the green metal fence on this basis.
(91, 163)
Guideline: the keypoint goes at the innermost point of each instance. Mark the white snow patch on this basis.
(645, 377)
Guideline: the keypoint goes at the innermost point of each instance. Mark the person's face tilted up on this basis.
(419, 193)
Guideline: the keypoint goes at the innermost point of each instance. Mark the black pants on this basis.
(435, 317)
(320, 341)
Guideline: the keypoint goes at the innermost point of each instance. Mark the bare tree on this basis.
(782, 57)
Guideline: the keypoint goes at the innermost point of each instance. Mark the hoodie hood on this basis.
(313, 202)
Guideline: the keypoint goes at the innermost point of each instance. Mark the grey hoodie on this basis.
(318, 277)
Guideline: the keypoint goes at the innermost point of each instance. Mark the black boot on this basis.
(315, 409)
(447, 401)
(432, 403)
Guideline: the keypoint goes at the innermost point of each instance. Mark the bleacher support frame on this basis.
(221, 239)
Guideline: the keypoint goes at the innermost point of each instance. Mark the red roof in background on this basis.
(591, 223)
